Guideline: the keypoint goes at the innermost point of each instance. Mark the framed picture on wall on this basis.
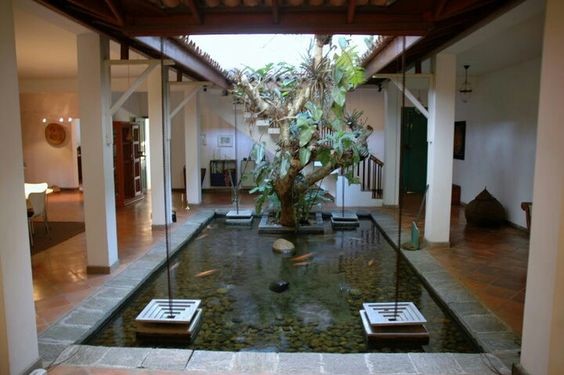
(459, 140)
(224, 141)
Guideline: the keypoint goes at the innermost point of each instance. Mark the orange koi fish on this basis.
(302, 257)
(206, 273)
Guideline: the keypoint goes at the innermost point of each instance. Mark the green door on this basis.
(414, 157)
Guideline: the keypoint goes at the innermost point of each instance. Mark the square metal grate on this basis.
(158, 311)
(384, 314)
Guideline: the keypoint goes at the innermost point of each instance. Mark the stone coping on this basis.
(489, 332)
(85, 318)
(246, 362)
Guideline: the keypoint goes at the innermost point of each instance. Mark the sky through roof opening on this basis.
(257, 50)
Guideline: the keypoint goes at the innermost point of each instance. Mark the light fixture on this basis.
(44, 120)
(465, 90)
(70, 119)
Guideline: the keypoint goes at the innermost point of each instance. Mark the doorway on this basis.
(414, 148)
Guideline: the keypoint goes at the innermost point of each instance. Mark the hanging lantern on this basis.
(465, 90)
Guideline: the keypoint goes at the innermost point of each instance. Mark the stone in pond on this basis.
(283, 246)
(279, 286)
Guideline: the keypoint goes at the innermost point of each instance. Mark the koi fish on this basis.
(206, 273)
(202, 236)
(302, 257)
(301, 264)
(370, 262)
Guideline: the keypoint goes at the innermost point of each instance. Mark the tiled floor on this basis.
(491, 263)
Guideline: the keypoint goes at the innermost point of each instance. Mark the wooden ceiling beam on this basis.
(184, 58)
(388, 54)
(351, 11)
(322, 22)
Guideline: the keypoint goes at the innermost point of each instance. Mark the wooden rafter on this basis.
(388, 54)
(191, 4)
(439, 6)
(275, 12)
(351, 11)
(97, 10)
(172, 49)
(116, 11)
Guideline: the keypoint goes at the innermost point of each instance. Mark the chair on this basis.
(37, 201)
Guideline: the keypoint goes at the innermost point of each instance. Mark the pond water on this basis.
(319, 311)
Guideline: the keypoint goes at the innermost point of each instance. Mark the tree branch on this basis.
(253, 94)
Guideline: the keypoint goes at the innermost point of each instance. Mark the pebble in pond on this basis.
(279, 286)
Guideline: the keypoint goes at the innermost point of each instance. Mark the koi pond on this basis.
(319, 312)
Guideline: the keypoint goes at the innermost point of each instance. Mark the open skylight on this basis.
(257, 50)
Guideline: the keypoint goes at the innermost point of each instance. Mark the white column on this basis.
(97, 152)
(392, 105)
(192, 148)
(543, 325)
(439, 158)
(18, 336)
(156, 117)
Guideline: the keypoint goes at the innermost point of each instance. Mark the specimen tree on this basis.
(307, 104)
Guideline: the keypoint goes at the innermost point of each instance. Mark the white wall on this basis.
(501, 125)
(213, 113)
(56, 165)
(371, 102)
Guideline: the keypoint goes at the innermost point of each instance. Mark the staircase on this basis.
(369, 192)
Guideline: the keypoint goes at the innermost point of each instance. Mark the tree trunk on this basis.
(287, 217)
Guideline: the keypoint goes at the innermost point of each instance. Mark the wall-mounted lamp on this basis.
(465, 90)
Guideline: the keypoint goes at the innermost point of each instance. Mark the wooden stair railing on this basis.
(369, 172)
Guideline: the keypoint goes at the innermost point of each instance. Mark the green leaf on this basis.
(305, 154)
(338, 76)
(324, 156)
(305, 135)
(338, 96)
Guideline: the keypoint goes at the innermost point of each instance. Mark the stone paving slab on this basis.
(490, 333)
(303, 364)
(167, 359)
(217, 362)
(94, 310)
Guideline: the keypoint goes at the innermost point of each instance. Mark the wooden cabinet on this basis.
(223, 172)
(127, 163)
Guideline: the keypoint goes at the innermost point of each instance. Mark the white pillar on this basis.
(392, 105)
(543, 325)
(97, 152)
(18, 336)
(192, 148)
(158, 102)
(439, 158)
